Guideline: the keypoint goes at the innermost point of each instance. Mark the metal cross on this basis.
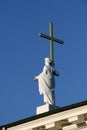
(52, 39)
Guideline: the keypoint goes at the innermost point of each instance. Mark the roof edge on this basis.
(57, 110)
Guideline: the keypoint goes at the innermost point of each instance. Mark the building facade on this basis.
(72, 117)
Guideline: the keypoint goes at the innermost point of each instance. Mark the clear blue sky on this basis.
(22, 53)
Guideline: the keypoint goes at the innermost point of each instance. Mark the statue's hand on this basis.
(35, 78)
(41, 93)
(56, 73)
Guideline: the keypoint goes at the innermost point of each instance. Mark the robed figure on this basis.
(46, 82)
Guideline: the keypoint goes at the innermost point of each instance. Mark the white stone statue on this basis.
(46, 82)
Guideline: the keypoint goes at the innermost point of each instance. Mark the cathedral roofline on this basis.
(57, 110)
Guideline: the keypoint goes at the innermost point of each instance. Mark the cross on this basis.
(52, 39)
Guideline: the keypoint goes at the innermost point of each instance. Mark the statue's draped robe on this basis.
(47, 84)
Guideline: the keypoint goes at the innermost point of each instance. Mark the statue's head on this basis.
(47, 60)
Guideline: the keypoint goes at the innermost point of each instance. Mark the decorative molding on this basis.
(50, 125)
(70, 127)
(74, 118)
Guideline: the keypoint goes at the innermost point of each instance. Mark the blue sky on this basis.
(22, 54)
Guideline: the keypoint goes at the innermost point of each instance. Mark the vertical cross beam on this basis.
(52, 39)
(51, 43)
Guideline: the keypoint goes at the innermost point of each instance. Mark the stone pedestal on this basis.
(45, 108)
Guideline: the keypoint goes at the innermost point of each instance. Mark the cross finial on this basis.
(52, 39)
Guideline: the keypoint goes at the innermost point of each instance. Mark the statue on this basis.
(46, 79)
(46, 82)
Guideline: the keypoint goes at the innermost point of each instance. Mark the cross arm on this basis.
(51, 38)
